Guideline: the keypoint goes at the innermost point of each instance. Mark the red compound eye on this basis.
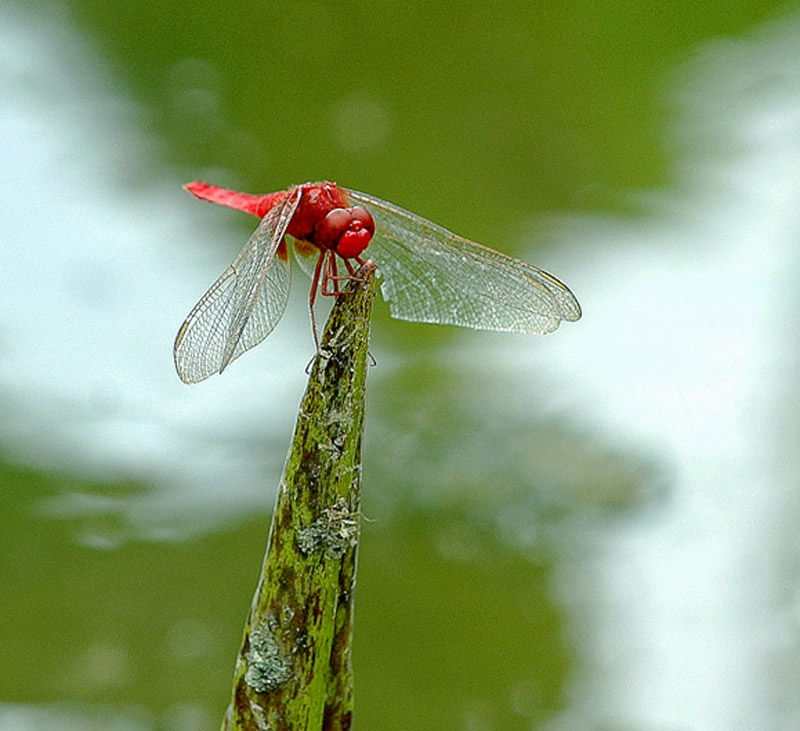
(358, 235)
(347, 231)
(330, 229)
(352, 243)
(363, 216)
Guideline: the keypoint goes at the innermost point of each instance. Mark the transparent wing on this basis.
(243, 306)
(432, 275)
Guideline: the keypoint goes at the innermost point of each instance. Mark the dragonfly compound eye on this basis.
(364, 217)
(345, 230)
(358, 234)
(330, 228)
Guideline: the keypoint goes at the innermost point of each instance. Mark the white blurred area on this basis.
(101, 263)
(686, 617)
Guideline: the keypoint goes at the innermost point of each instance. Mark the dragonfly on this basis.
(428, 274)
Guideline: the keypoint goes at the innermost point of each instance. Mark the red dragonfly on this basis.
(428, 274)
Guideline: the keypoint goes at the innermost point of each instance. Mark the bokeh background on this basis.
(592, 530)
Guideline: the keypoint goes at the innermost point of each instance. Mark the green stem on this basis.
(293, 670)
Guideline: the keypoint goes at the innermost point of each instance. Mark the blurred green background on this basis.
(486, 493)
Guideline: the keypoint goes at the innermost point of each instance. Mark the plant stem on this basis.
(293, 670)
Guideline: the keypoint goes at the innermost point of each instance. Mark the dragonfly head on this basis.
(347, 231)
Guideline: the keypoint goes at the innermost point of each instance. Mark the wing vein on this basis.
(432, 275)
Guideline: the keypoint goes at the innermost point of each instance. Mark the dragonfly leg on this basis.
(333, 273)
(330, 276)
(313, 296)
(350, 269)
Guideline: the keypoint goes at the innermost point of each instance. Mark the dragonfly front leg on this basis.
(315, 283)
(351, 269)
